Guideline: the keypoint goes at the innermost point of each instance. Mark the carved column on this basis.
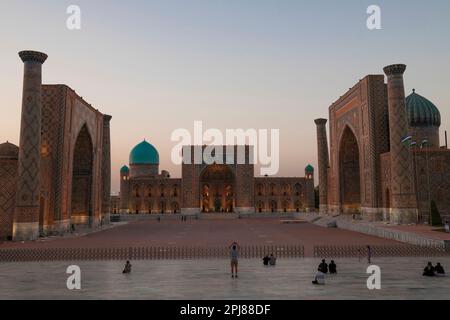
(403, 204)
(26, 214)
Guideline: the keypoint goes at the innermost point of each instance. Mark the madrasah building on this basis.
(384, 159)
(208, 188)
(60, 174)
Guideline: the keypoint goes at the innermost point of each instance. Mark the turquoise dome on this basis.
(422, 112)
(309, 168)
(144, 154)
(124, 169)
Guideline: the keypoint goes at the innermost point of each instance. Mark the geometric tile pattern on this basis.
(8, 179)
(323, 159)
(402, 178)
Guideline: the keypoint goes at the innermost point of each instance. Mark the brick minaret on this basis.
(403, 204)
(322, 152)
(106, 169)
(26, 214)
(124, 189)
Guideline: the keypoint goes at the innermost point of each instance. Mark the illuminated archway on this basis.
(349, 172)
(217, 189)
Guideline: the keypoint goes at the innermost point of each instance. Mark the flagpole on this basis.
(428, 182)
(414, 150)
(425, 142)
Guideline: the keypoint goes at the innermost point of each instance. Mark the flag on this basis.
(406, 140)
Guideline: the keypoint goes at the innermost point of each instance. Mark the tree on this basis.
(435, 217)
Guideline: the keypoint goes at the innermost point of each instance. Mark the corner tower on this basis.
(323, 158)
(404, 204)
(26, 213)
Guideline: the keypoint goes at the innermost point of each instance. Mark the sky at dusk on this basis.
(157, 66)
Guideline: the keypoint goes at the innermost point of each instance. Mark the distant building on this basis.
(385, 160)
(221, 188)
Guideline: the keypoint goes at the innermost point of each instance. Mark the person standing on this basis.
(234, 254)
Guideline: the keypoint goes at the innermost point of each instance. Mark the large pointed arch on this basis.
(82, 178)
(349, 171)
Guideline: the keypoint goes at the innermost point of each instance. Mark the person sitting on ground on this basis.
(429, 270)
(333, 267)
(439, 269)
(323, 266)
(127, 269)
(320, 278)
(273, 260)
(266, 260)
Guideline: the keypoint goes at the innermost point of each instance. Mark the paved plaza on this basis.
(401, 278)
(209, 233)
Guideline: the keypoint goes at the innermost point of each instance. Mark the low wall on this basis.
(374, 230)
(201, 216)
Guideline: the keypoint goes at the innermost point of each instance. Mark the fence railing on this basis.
(147, 253)
(332, 251)
(197, 253)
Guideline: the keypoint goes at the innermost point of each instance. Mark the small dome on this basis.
(124, 169)
(9, 151)
(422, 112)
(309, 168)
(144, 154)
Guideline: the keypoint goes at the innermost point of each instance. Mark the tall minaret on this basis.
(124, 189)
(323, 158)
(26, 214)
(403, 204)
(106, 169)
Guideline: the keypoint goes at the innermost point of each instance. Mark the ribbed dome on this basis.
(144, 154)
(422, 112)
(9, 151)
(309, 168)
(124, 169)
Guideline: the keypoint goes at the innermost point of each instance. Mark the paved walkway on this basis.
(291, 279)
(210, 233)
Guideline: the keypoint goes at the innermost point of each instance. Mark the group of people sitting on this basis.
(270, 260)
(323, 269)
(433, 271)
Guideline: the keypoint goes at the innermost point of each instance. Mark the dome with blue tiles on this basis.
(144, 154)
(422, 112)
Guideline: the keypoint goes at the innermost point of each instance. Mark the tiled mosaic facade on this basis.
(209, 188)
(61, 156)
(371, 172)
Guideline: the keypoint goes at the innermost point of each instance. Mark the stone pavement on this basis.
(210, 279)
(210, 233)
